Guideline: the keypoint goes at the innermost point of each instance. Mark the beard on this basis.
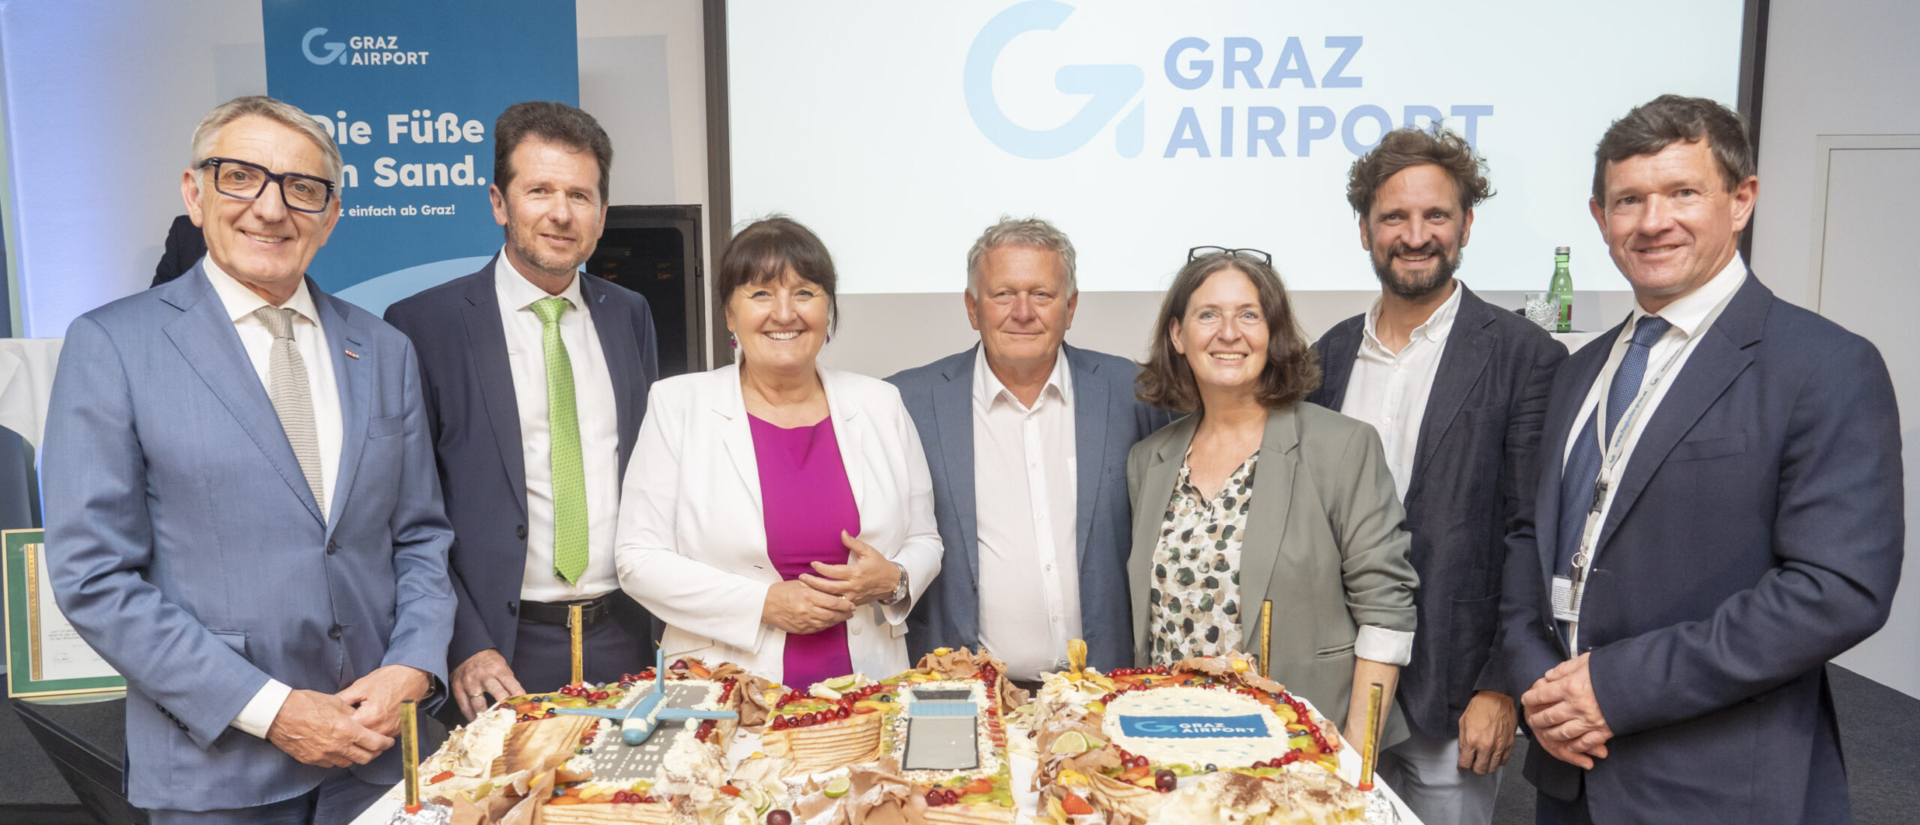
(558, 266)
(1416, 287)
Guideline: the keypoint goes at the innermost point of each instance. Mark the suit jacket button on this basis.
(333, 632)
(513, 609)
(520, 530)
(333, 547)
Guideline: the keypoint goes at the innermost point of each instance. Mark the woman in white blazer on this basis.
(731, 524)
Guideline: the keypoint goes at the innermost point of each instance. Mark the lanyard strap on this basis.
(1616, 452)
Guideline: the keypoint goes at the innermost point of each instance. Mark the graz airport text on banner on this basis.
(410, 92)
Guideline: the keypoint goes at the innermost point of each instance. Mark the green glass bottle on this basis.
(1562, 289)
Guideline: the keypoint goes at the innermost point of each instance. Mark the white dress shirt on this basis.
(593, 405)
(1389, 390)
(310, 340)
(1024, 509)
(1691, 315)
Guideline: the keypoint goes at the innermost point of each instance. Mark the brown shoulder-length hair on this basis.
(1292, 371)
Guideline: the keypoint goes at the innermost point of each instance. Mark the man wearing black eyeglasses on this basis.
(1457, 389)
(243, 512)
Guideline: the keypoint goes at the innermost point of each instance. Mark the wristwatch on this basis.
(899, 590)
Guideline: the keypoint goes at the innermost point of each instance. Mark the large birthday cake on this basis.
(1202, 741)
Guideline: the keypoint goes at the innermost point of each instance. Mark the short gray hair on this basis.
(285, 114)
(1011, 231)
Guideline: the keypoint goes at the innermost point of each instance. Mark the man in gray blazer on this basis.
(1027, 440)
(1457, 388)
(242, 512)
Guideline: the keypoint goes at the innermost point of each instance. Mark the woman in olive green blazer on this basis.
(1259, 496)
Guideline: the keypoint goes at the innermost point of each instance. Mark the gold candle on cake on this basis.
(1266, 637)
(410, 754)
(1370, 751)
(574, 625)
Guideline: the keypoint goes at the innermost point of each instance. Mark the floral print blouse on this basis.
(1194, 597)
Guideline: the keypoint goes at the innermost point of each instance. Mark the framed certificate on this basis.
(45, 655)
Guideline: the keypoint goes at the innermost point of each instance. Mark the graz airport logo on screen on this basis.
(359, 50)
(1111, 86)
(1225, 95)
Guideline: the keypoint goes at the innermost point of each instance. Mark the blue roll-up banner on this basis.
(410, 91)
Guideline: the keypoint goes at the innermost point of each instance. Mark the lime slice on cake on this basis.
(758, 797)
(837, 787)
(1071, 742)
(842, 683)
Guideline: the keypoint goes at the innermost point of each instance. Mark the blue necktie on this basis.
(1583, 464)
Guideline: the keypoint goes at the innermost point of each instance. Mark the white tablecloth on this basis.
(1574, 340)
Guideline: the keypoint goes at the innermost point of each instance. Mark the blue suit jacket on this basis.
(1757, 532)
(1107, 422)
(475, 426)
(185, 545)
(1472, 469)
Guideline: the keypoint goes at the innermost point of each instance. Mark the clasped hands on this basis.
(1565, 716)
(350, 727)
(829, 595)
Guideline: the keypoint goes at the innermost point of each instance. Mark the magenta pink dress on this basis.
(807, 502)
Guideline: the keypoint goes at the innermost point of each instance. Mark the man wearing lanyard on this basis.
(1725, 516)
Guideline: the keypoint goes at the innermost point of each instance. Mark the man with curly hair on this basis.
(1457, 388)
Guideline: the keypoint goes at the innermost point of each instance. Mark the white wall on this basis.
(1834, 67)
(1846, 67)
(101, 101)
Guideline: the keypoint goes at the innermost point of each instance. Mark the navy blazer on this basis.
(1473, 468)
(186, 547)
(475, 420)
(1757, 533)
(1107, 421)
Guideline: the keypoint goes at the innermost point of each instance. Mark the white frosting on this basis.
(1223, 751)
(470, 751)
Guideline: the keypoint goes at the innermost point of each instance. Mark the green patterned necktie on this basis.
(563, 429)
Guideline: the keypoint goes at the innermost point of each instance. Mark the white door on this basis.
(1870, 284)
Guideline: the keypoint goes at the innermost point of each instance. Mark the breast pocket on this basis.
(386, 427)
(1710, 447)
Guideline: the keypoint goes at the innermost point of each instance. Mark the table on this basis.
(86, 739)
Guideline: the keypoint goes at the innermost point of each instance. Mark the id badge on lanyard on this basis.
(1569, 590)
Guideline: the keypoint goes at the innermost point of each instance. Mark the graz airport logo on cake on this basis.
(1193, 727)
(1111, 87)
(367, 50)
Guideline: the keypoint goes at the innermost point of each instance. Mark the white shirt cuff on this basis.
(1388, 647)
(263, 708)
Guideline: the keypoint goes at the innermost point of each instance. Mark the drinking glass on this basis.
(1542, 309)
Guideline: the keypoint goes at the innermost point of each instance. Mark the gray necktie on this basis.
(292, 400)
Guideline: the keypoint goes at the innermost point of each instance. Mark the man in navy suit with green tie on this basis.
(537, 377)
